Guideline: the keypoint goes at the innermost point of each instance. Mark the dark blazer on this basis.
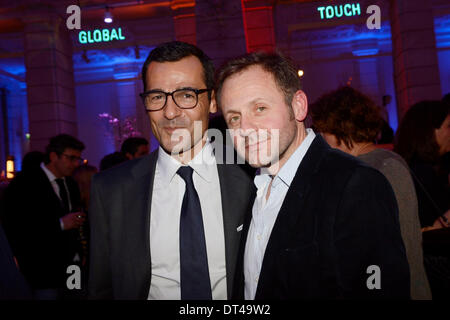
(12, 282)
(120, 262)
(433, 193)
(31, 223)
(339, 217)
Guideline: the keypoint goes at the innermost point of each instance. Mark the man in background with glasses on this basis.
(41, 219)
(167, 225)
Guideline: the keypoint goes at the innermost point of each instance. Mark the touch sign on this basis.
(337, 11)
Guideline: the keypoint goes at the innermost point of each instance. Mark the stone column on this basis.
(220, 29)
(184, 20)
(50, 79)
(365, 52)
(416, 70)
(126, 99)
(258, 24)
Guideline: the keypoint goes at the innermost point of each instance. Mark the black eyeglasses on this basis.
(186, 98)
(73, 158)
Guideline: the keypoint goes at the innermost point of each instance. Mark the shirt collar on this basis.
(49, 174)
(288, 170)
(202, 164)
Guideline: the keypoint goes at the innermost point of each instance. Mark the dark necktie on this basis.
(194, 273)
(63, 194)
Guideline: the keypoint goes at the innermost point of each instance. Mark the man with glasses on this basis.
(41, 217)
(168, 225)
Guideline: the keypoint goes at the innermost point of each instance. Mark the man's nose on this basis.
(171, 110)
(247, 126)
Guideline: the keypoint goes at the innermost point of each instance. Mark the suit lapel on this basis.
(234, 202)
(52, 196)
(291, 212)
(137, 205)
(239, 277)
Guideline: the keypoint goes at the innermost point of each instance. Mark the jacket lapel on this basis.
(291, 212)
(234, 195)
(50, 192)
(137, 204)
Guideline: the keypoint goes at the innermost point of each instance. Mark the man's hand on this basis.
(441, 222)
(445, 219)
(73, 220)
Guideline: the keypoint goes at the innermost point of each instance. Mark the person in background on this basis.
(446, 98)
(135, 147)
(423, 140)
(112, 160)
(386, 134)
(41, 218)
(350, 121)
(12, 283)
(83, 176)
(32, 160)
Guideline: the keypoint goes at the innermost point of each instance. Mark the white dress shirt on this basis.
(167, 199)
(52, 178)
(265, 212)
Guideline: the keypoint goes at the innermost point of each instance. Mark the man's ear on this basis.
(300, 105)
(53, 156)
(213, 103)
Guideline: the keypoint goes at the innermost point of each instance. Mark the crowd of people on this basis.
(44, 218)
(329, 212)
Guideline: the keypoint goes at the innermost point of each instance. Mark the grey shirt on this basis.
(396, 171)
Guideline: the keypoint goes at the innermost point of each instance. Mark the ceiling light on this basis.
(108, 16)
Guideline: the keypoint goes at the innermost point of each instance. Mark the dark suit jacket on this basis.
(339, 217)
(31, 223)
(120, 262)
(12, 282)
(433, 193)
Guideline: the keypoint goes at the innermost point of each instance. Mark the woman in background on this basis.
(423, 139)
(351, 122)
(83, 176)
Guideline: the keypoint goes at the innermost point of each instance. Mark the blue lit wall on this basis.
(12, 79)
(346, 54)
(108, 83)
(442, 31)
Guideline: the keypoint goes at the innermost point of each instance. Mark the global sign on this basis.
(100, 35)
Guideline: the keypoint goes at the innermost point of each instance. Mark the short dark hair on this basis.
(112, 160)
(446, 98)
(32, 160)
(415, 138)
(175, 51)
(282, 69)
(348, 114)
(131, 145)
(60, 143)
